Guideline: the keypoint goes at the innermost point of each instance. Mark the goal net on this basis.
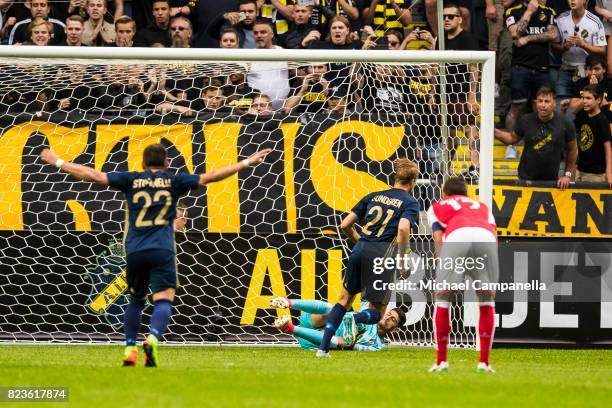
(335, 121)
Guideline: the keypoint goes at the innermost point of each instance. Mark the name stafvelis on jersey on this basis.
(152, 183)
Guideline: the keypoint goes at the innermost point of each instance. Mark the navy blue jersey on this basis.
(151, 200)
(382, 211)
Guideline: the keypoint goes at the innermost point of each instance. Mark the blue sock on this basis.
(311, 306)
(334, 318)
(368, 316)
(162, 310)
(131, 321)
(312, 335)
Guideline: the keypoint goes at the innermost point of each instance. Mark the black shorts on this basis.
(155, 268)
(360, 273)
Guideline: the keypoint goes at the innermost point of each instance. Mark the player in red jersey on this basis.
(464, 234)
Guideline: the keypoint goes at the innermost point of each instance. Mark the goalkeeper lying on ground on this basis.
(370, 337)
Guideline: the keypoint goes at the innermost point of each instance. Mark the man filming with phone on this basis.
(241, 20)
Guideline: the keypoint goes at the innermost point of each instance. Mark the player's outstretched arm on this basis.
(226, 171)
(81, 172)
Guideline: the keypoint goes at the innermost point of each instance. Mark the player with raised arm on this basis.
(151, 197)
(463, 228)
(370, 337)
(388, 216)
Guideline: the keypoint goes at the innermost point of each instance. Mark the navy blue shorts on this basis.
(525, 83)
(155, 268)
(360, 276)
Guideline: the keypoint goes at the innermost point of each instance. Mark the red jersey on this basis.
(460, 211)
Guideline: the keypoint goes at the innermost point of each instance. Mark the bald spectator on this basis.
(38, 8)
(98, 32)
(157, 31)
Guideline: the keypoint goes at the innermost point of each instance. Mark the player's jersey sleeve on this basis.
(513, 15)
(361, 207)
(599, 37)
(120, 180)
(185, 182)
(432, 218)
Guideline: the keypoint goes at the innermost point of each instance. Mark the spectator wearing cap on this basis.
(299, 28)
(97, 31)
(125, 28)
(38, 8)
(271, 78)
(310, 95)
(580, 33)
(157, 31)
(242, 21)
(74, 31)
(386, 14)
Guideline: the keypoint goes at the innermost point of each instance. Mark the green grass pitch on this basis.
(290, 377)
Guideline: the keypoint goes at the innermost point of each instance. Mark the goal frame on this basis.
(124, 55)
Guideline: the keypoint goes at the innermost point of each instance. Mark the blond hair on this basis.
(405, 170)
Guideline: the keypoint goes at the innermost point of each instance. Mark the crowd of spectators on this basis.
(546, 49)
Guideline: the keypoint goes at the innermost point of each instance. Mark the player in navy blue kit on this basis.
(151, 197)
(388, 216)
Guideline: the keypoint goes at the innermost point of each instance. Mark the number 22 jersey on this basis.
(151, 204)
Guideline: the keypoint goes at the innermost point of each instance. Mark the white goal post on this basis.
(269, 233)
